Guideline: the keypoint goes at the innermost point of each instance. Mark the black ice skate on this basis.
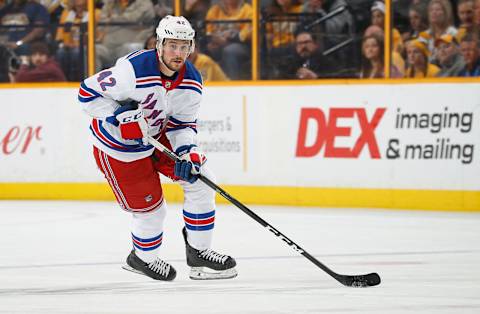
(158, 269)
(208, 264)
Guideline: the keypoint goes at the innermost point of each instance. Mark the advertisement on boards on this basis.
(394, 136)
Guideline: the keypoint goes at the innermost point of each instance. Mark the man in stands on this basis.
(469, 47)
(448, 56)
(307, 63)
(27, 21)
(41, 67)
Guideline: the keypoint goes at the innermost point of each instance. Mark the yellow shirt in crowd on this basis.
(244, 12)
(282, 32)
(71, 38)
(432, 71)
(209, 69)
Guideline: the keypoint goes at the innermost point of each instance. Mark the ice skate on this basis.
(208, 264)
(157, 269)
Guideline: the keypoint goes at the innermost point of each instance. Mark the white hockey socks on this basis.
(147, 233)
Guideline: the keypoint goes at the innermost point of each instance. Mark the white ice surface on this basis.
(66, 257)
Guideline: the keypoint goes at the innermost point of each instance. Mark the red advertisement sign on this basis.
(19, 139)
(328, 130)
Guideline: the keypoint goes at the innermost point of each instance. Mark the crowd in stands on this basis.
(46, 40)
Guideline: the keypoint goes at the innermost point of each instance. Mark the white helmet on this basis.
(175, 27)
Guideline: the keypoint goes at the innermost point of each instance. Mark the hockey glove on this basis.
(133, 125)
(189, 166)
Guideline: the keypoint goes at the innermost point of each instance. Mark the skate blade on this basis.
(133, 270)
(203, 273)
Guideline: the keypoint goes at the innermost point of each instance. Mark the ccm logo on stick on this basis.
(328, 130)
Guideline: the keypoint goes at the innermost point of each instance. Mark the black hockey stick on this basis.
(367, 280)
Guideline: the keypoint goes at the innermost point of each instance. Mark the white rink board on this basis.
(252, 133)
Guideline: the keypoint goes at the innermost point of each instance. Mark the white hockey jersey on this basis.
(136, 77)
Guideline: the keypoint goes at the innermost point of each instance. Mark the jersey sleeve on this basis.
(182, 125)
(99, 94)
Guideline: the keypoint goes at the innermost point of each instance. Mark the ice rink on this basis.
(66, 257)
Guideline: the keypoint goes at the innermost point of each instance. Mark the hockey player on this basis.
(155, 92)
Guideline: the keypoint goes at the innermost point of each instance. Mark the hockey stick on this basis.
(367, 280)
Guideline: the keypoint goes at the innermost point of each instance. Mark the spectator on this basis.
(42, 68)
(397, 68)
(308, 62)
(209, 69)
(280, 31)
(339, 27)
(151, 42)
(54, 8)
(448, 56)
(229, 43)
(378, 19)
(465, 13)
(30, 19)
(440, 19)
(162, 8)
(119, 40)
(69, 52)
(476, 14)
(417, 16)
(195, 11)
(418, 60)
(372, 57)
(470, 50)
(378, 14)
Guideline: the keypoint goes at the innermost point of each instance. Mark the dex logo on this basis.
(328, 129)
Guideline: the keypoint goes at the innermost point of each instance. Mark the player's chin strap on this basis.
(367, 280)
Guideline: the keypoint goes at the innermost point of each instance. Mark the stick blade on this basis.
(361, 281)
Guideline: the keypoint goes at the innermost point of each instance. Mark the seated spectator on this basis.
(378, 14)
(440, 19)
(195, 11)
(30, 20)
(339, 26)
(418, 60)
(378, 19)
(162, 8)
(417, 16)
(336, 30)
(119, 40)
(372, 57)
(448, 56)
(476, 14)
(151, 42)
(209, 69)
(397, 68)
(469, 47)
(307, 62)
(229, 43)
(42, 68)
(54, 8)
(69, 52)
(280, 31)
(466, 17)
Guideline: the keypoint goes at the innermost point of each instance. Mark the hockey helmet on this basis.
(175, 27)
